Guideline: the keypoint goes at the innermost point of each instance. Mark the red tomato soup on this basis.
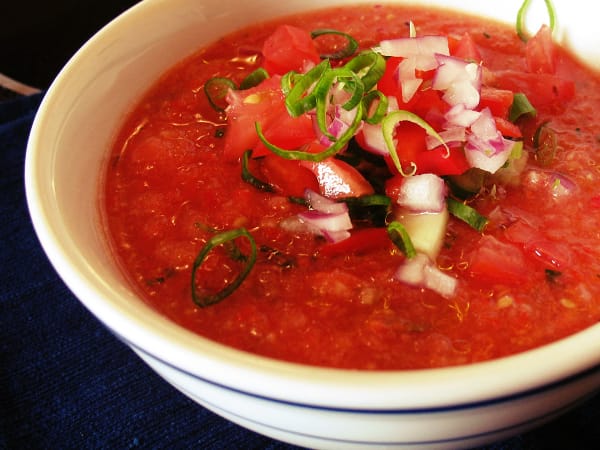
(440, 204)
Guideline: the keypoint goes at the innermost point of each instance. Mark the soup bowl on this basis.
(69, 146)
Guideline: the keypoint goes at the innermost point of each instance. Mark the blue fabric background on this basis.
(67, 383)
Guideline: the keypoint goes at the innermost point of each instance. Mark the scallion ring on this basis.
(520, 106)
(300, 97)
(251, 179)
(337, 146)
(348, 50)
(521, 32)
(369, 66)
(254, 78)
(216, 90)
(379, 111)
(401, 239)
(217, 240)
(467, 214)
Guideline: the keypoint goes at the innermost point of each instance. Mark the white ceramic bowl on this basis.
(441, 408)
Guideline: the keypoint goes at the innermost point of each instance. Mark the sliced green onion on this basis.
(323, 87)
(300, 98)
(251, 179)
(520, 107)
(467, 214)
(216, 90)
(337, 146)
(345, 52)
(369, 66)
(521, 32)
(380, 110)
(254, 78)
(367, 200)
(399, 236)
(217, 240)
(389, 124)
(545, 144)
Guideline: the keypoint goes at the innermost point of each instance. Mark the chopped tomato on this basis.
(411, 141)
(494, 261)
(542, 89)
(507, 128)
(595, 202)
(338, 179)
(538, 247)
(288, 177)
(360, 241)
(465, 48)
(540, 53)
(265, 104)
(438, 161)
(498, 100)
(289, 48)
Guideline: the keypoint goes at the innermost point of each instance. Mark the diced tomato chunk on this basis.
(507, 128)
(440, 162)
(540, 52)
(360, 241)
(494, 261)
(498, 100)
(465, 48)
(542, 89)
(338, 179)
(288, 177)
(289, 48)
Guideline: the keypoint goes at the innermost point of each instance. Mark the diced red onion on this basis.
(338, 125)
(459, 79)
(421, 272)
(558, 185)
(423, 193)
(486, 149)
(335, 236)
(449, 136)
(326, 221)
(323, 204)
(423, 49)
(460, 116)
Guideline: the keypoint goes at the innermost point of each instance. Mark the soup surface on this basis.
(524, 273)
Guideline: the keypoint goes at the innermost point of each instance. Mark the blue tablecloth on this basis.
(67, 383)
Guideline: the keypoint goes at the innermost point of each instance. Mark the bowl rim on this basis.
(202, 358)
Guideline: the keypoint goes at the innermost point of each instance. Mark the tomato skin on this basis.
(540, 52)
(507, 128)
(287, 176)
(289, 48)
(338, 179)
(494, 261)
(360, 241)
